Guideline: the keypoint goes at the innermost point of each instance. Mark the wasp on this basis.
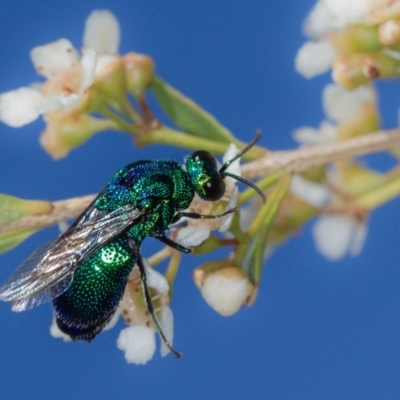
(84, 271)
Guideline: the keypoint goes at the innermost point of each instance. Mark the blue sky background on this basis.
(319, 330)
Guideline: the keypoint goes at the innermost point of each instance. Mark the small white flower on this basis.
(55, 57)
(319, 21)
(233, 168)
(326, 133)
(155, 280)
(57, 333)
(227, 220)
(191, 236)
(20, 107)
(68, 78)
(68, 75)
(342, 105)
(338, 235)
(347, 12)
(102, 32)
(140, 349)
(331, 15)
(312, 193)
(314, 58)
(226, 290)
(167, 324)
(138, 342)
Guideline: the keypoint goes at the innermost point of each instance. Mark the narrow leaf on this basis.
(11, 239)
(260, 228)
(12, 208)
(188, 115)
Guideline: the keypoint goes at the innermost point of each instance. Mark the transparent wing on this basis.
(48, 272)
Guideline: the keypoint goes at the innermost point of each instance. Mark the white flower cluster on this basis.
(68, 74)
(339, 234)
(316, 55)
(340, 105)
(138, 339)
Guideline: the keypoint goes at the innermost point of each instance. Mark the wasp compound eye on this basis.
(214, 188)
(205, 156)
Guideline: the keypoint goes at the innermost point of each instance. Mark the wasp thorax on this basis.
(203, 171)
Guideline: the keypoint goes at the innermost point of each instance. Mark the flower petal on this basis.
(102, 32)
(230, 153)
(343, 105)
(314, 58)
(20, 107)
(113, 321)
(347, 12)
(138, 342)
(57, 333)
(359, 237)
(88, 64)
(226, 290)
(191, 236)
(333, 235)
(318, 21)
(326, 133)
(155, 280)
(312, 193)
(54, 57)
(227, 220)
(54, 103)
(167, 324)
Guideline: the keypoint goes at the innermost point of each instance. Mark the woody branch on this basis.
(293, 161)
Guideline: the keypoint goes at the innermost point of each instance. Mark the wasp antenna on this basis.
(248, 183)
(241, 152)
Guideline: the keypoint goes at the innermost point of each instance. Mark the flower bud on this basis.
(356, 38)
(347, 71)
(389, 32)
(356, 180)
(139, 71)
(62, 135)
(353, 70)
(367, 120)
(225, 289)
(110, 77)
(138, 342)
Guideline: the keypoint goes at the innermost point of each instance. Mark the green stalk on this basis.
(263, 184)
(175, 138)
(388, 191)
(270, 209)
(173, 268)
(124, 125)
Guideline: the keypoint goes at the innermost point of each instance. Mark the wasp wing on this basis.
(48, 272)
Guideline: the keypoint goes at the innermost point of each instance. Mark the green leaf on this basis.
(12, 208)
(11, 239)
(260, 227)
(188, 115)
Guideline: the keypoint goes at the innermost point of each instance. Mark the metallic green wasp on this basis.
(84, 271)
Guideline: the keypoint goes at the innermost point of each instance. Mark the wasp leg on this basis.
(169, 242)
(149, 304)
(193, 215)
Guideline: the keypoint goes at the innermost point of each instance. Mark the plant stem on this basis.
(302, 159)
